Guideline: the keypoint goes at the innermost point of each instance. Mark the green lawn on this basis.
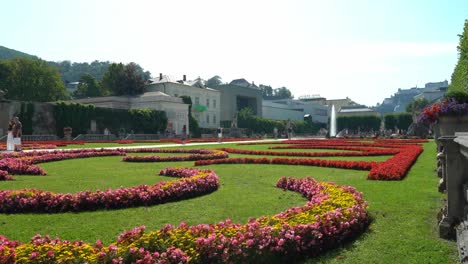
(404, 212)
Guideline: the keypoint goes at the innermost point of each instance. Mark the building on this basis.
(206, 102)
(239, 94)
(432, 91)
(284, 109)
(357, 110)
(176, 110)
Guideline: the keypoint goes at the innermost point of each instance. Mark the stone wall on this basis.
(43, 119)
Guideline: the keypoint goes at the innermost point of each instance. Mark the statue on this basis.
(234, 121)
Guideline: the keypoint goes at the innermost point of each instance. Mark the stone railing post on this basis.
(454, 186)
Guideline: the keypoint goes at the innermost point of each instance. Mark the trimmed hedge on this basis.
(79, 116)
(399, 120)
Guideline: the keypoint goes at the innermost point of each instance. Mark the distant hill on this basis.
(8, 54)
(69, 71)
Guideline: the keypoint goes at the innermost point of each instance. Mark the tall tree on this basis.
(282, 93)
(459, 80)
(88, 87)
(34, 80)
(214, 81)
(123, 80)
(267, 91)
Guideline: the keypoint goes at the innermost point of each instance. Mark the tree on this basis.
(417, 105)
(214, 81)
(193, 123)
(267, 91)
(34, 80)
(459, 80)
(5, 72)
(282, 93)
(122, 79)
(88, 87)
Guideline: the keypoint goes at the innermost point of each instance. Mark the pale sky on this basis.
(361, 49)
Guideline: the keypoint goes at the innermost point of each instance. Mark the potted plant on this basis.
(448, 116)
(67, 132)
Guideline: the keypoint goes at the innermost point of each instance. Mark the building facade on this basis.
(206, 102)
(239, 94)
(284, 109)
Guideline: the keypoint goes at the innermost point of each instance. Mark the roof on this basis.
(157, 93)
(244, 83)
(356, 110)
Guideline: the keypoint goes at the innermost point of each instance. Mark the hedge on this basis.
(79, 116)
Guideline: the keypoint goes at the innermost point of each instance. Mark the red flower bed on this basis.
(396, 167)
(357, 165)
(193, 183)
(364, 152)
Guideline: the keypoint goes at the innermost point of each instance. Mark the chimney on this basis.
(185, 78)
(160, 76)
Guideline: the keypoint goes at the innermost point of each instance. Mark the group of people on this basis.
(14, 134)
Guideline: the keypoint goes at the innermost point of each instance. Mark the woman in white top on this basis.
(10, 141)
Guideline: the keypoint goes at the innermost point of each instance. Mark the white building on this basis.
(176, 110)
(284, 109)
(206, 106)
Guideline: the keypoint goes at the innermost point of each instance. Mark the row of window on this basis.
(197, 102)
(207, 118)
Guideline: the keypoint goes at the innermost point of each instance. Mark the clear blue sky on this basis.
(363, 49)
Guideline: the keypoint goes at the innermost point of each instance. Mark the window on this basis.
(214, 119)
(207, 103)
(197, 100)
(214, 103)
(207, 118)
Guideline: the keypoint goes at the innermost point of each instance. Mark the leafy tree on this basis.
(193, 123)
(214, 81)
(417, 105)
(283, 93)
(34, 80)
(267, 91)
(459, 80)
(88, 87)
(5, 72)
(123, 80)
(274, 94)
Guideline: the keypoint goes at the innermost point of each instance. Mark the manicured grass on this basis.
(105, 145)
(404, 212)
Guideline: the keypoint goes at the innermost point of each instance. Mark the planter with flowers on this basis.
(448, 116)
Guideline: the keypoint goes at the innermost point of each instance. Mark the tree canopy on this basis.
(272, 94)
(122, 79)
(459, 80)
(417, 105)
(88, 87)
(214, 81)
(31, 80)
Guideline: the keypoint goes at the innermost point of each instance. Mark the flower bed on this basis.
(355, 153)
(201, 155)
(332, 215)
(396, 167)
(193, 183)
(357, 165)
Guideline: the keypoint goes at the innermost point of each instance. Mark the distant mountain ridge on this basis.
(69, 71)
(8, 54)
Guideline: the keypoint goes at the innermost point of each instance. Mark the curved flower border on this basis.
(193, 182)
(332, 215)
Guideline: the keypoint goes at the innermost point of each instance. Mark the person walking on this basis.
(10, 144)
(184, 134)
(220, 134)
(275, 133)
(17, 133)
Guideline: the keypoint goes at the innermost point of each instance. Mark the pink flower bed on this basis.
(193, 183)
(332, 215)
